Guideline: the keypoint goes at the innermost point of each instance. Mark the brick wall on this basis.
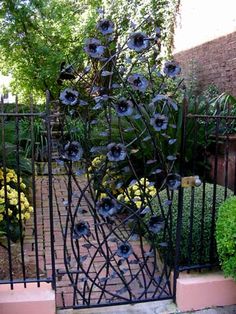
(214, 62)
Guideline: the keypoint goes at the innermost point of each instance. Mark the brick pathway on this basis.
(96, 278)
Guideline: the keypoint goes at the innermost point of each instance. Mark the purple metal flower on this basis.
(105, 26)
(72, 151)
(116, 152)
(138, 41)
(81, 229)
(94, 48)
(156, 224)
(173, 181)
(159, 122)
(107, 207)
(138, 82)
(124, 250)
(69, 97)
(124, 107)
(171, 69)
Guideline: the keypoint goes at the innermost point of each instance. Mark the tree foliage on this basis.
(37, 35)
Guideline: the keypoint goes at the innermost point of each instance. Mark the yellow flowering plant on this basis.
(139, 193)
(14, 204)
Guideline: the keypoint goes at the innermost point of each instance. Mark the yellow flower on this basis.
(103, 195)
(18, 216)
(1, 217)
(26, 203)
(120, 198)
(2, 209)
(127, 199)
(153, 193)
(2, 200)
(9, 211)
(27, 215)
(13, 201)
(138, 204)
(22, 186)
(138, 193)
(30, 209)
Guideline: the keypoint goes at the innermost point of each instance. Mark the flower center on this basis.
(106, 205)
(137, 82)
(81, 228)
(125, 249)
(70, 96)
(138, 41)
(116, 151)
(159, 122)
(123, 106)
(171, 68)
(93, 47)
(105, 26)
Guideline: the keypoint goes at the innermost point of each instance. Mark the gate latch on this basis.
(193, 181)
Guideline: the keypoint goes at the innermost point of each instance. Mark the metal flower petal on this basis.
(107, 207)
(159, 122)
(116, 152)
(124, 107)
(156, 224)
(81, 229)
(105, 26)
(67, 72)
(72, 151)
(171, 69)
(124, 250)
(138, 82)
(69, 96)
(173, 181)
(94, 48)
(158, 34)
(138, 41)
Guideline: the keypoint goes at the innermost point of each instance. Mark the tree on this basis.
(36, 36)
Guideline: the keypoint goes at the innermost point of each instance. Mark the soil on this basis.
(17, 271)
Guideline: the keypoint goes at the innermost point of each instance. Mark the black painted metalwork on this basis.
(20, 211)
(212, 126)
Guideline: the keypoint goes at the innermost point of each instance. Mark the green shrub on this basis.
(226, 236)
(197, 215)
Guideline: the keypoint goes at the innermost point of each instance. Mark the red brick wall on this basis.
(215, 63)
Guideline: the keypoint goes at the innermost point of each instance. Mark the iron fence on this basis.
(208, 150)
(22, 250)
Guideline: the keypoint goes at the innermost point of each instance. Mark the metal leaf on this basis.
(87, 246)
(83, 258)
(106, 73)
(171, 158)
(157, 171)
(151, 161)
(172, 141)
(121, 291)
(149, 254)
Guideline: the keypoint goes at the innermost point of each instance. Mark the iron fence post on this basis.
(50, 190)
(180, 198)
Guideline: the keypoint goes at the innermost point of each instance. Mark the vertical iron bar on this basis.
(5, 195)
(50, 189)
(180, 197)
(34, 190)
(17, 142)
(212, 234)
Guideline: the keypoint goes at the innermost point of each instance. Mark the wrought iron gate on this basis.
(118, 144)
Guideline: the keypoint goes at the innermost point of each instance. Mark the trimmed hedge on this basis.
(197, 216)
(226, 236)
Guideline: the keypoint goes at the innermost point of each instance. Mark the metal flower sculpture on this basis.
(120, 151)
